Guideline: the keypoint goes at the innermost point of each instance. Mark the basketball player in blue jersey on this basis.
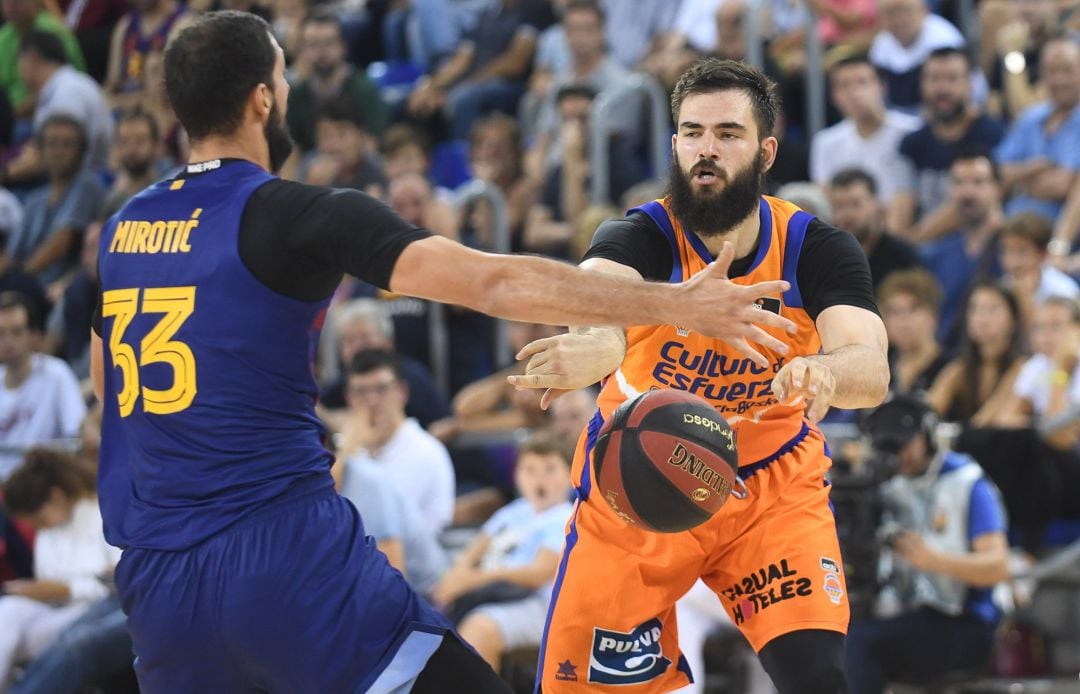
(242, 569)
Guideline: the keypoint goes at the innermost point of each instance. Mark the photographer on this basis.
(947, 549)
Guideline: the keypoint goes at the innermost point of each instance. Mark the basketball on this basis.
(665, 461)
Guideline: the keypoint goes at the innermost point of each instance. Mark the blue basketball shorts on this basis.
(293, 598)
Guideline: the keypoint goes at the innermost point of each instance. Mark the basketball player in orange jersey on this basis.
(771, 556)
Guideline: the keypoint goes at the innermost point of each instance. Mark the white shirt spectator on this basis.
(419, 466)
(901, 64)
(1033, 383)
(76, 94)
(76, 553)
(518, 533)
(47, 406)
(696, 21)
(1054, 282)
(841, 147)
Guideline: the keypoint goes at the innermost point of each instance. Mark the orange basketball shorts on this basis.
(773, 559)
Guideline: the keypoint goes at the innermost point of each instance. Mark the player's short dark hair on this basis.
(140, 114)
(42, 469)
(547, 442)
(975, 152)
(946, 52)
(1029, 226)
(368, 360)
(13, 300)
(46, 44)
(342, 109)
(587, 5)
(917, 283)
(854, 176)
(211, 67)
(710, 75)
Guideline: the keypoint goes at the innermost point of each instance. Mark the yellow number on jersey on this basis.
(177, 303)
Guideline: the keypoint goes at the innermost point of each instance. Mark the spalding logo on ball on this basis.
(665, 461)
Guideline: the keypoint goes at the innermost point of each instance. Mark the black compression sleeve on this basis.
(636, 242)
(833, 271)
(299, 240)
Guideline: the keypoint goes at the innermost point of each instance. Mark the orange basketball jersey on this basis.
(670, 356)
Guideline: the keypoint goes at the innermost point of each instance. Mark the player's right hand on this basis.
(713, 305)
(569, 361)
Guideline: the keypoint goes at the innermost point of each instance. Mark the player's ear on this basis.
(264, 98)
(769, 147)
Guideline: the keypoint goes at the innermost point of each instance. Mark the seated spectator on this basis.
(71, 558)
(409, 542)
(413, 198)
(40, 399)
(868, 137)
(1024, 239)
(138, 154)
(847, 22)
(20, 18)
(1013, 49)
(947, 552)
(376, 429)
(1040, 154)
(69, 322)
(406, 149)
(14, 279)
(975, 388)
(92, 21)
(156, 103)
(910, 32)
(46, 244)
(364, 324)
(954, 124)
(485, 74)
(910, 301)
(58, 88)
(808, 197)
(691, 36)
(970, 250)
(496, 156)
(499, 587)
(344, 154)
(571, 412)
(331, 78)
(142, 31)
(855, 208)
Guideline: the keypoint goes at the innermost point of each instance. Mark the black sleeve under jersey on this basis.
(832, 269)
(299, 240)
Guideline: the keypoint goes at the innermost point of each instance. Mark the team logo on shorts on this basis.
(833, 588)
(627, 658)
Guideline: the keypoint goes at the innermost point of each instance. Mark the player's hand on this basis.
(715, 306)
(912, 548)
(569, 361)
(809, 380)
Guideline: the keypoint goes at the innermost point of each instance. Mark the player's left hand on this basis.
(808, 379)
(913, 549)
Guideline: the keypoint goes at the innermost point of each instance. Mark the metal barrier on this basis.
(632, 87)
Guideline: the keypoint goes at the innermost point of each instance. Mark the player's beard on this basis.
(713, 213)
(277, 139)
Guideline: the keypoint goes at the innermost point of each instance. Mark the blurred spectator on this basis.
(21, 17)
(344, 154)
(410, 543)
(499, 587)
(571, 412)
(1024, 238)
(39, 396)
(93, 22)
(137, 153)
(56, 213)
(975, 388)
(496, 157)
(58, 88)
(57, 495)
(552, 222)
(947, 551)
(954, 124)
(691, 36)
(69, 322)
(910, 32)
(849, 22)
(485, 74)
(12, 278)
(855, 208)
(588, 64)
(868, 137)
(144, 30)
(412, 196)
(364, 324)
(156, 102)
(808, 197)
(910, 301)
(1013, 52)
(331, 78)
(405, 149)
(1040, 155)
(969, 251)
(376, 428)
